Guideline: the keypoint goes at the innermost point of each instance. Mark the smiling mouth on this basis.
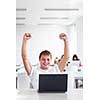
(45, 64)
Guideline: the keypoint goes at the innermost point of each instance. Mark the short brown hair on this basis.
(45, 52)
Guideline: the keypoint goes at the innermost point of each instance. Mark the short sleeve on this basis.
(34, 78)
(31, 72)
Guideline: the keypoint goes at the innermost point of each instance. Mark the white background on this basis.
(91, 49)
(49, 33)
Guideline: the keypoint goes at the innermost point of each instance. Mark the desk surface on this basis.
(76, 94)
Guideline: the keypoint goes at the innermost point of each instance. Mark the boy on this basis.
(45, 58)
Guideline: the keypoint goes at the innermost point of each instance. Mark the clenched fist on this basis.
(63, 36)
(27, 36)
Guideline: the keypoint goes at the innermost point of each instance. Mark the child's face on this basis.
(45, 61)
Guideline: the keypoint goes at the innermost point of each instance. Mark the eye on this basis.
(48, 59)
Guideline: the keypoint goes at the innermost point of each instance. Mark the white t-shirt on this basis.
(34, 76)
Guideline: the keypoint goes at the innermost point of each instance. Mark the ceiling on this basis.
(47, 12)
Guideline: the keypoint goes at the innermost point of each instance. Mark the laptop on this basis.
(53, 83)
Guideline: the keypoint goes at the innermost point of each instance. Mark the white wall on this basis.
(43, 37)
(79, 32)
(47, 37)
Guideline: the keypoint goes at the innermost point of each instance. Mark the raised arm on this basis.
(26, 62)
(65, 58)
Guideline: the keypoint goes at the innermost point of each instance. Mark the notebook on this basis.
(53, 83)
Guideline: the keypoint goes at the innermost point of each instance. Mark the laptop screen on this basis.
(53, 82)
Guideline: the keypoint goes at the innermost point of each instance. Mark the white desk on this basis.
(76, 94)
